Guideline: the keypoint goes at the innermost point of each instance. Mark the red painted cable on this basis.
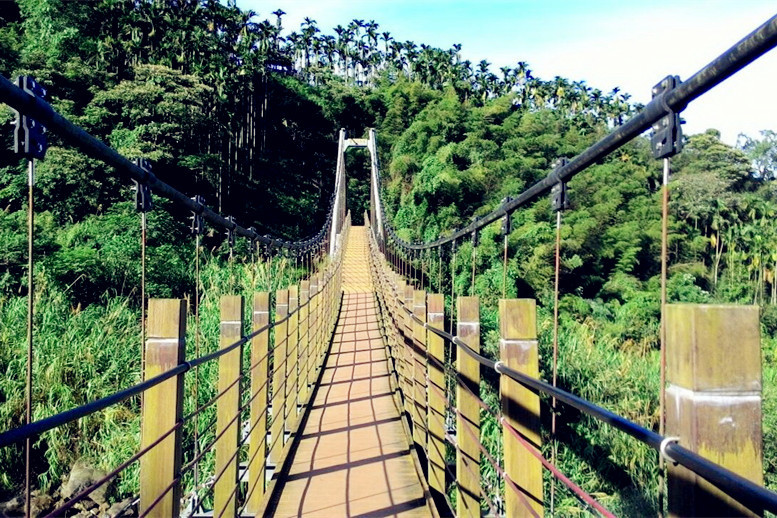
(587, 498)
(495, 464)
(555, 471)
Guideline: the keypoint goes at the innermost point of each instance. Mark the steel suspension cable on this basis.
(30, 324)
(197, 302)
(662, 338)
(554, 446)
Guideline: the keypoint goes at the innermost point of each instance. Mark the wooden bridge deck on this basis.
(353, 457)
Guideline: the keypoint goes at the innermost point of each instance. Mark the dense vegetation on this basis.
(226, 106)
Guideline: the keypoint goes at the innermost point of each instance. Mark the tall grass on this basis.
(83, 354)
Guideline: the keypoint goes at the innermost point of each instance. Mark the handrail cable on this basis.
(577, 490)
(725, 479)
(59, 511)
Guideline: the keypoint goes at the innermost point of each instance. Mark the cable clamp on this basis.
(662, 448)
(475, 234)
(198, 223)
(506, 223)
(559, 199)
(143, 202)
(667, 137)
(29, 134)
(498, 365)
(252, 241)
(231, 233)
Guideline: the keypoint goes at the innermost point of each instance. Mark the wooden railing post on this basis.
(304, 340)
(257, 442)
(402, 358)
(409, 353)
(292, 358)
(163, 407)
(325, 313)
(468, 417)
(419, 346)
(713, 401)
(278, 376)
(436, 422)
(389, 302)
(315, 300)
(520, 405)
(228, 406)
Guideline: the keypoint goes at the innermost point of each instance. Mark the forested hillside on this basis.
(230, 105)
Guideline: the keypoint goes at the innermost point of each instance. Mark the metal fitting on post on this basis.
(143, 202)
(667, 137)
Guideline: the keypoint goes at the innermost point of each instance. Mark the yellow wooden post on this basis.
(409, 353)
(228, 406)
(325, 321)
(468, 417)
(315, 300)
(304, 340)
(436, 421)
(520, 405)
(257, 442)
(163, 406)
(278, 376)
(400, 317)
(419, 345)
(713, 401)
(292, 359)
(391, 331)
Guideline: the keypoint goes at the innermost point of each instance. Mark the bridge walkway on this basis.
(354, 457)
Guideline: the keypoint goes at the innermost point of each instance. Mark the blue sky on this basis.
(631, 44)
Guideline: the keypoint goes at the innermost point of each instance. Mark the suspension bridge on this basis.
(356, 390)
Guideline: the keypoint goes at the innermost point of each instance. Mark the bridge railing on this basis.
(700, 386)
(437, 375)
(286, 345)
(266, 370)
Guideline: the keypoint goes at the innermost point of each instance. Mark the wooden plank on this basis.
(257, 441)
(468, 417)
(419, 349)
(352, 456)
(520, 405)
(713, 401)
(163, 406)
(279, 376)
(437, 411)
(228, 406)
